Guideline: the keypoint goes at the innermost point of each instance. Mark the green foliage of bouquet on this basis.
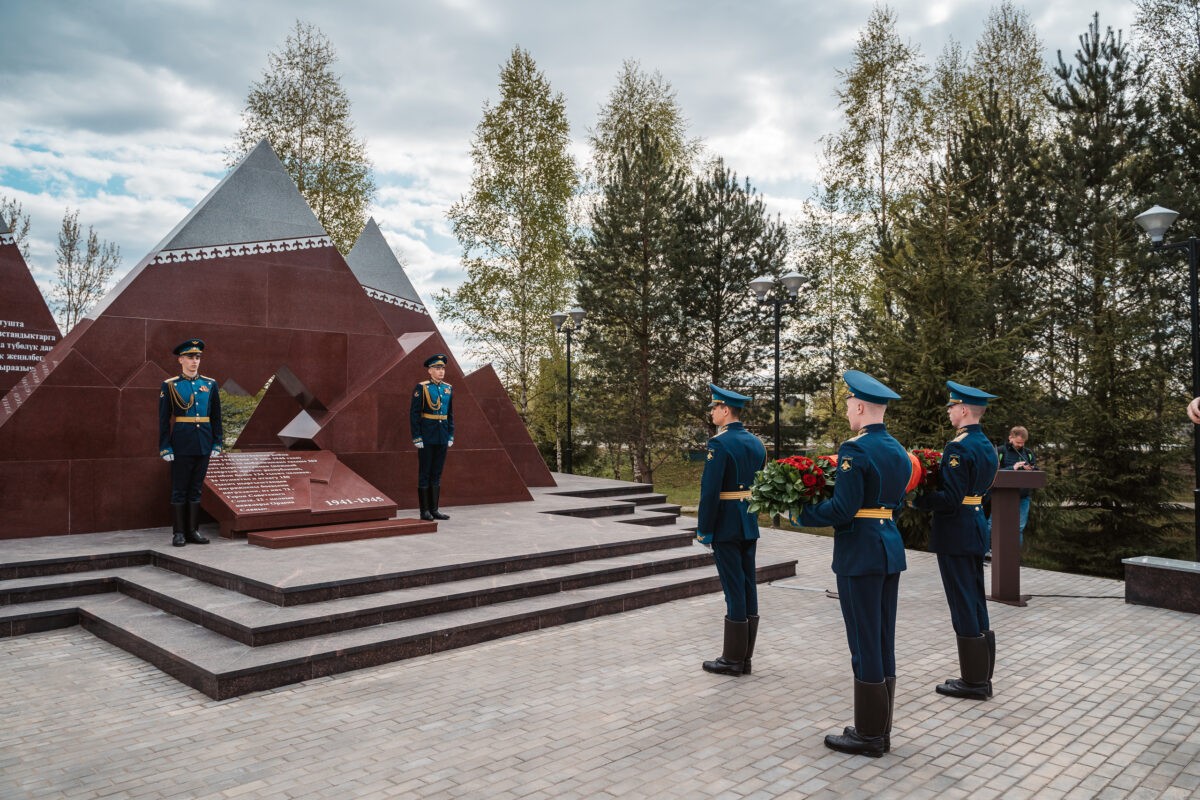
(782, 487)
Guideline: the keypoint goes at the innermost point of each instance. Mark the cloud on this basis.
(123, 109)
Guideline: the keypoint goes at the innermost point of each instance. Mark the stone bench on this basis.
(1163, 583)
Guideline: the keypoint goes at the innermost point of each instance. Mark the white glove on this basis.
(217, 453)
(168, 457)
(450, 443)
(419, 445)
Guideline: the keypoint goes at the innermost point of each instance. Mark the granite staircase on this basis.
(226, 632)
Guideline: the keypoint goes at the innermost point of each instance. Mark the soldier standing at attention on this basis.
(431, 418)
(959, 536)
(189, 433)
(734, 456)
(868, 557)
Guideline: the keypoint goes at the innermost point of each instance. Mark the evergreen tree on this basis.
(1116, 435)
(514, 227)
(302, 109)
(729, 240)
(633, 382)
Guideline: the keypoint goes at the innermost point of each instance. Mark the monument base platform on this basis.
(228, 619)
(327, 534)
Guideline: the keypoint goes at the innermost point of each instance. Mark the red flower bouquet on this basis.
(783, 486)
(928, 465)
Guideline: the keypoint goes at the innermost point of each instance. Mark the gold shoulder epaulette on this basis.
(856, 438)
(205, 377)
(172, 379)
(423, 383)
(960, 437)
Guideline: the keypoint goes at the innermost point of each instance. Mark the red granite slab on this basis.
(349, 532)
(28, 331)
(258, 491)
(29, 496)
(500, 413)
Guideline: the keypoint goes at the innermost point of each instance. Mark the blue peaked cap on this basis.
(731, 399)
(863, 387)
(967, 395)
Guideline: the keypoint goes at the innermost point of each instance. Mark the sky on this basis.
(123, 109)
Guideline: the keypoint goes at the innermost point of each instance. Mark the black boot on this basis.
(733, 655)
(178, 523)
(887, 732)
(192, 531)
(890, 683)
(751, 635)
(973, 661)
(434, 496)
(991, 641)
(423, 498)
(871, 708)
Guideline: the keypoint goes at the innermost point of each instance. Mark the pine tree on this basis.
(1114, 293)
(302, 109)
(514, 226)
(730, 240)
(631, 348)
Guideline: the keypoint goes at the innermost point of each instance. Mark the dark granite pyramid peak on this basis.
(257, 201)
(376, 266)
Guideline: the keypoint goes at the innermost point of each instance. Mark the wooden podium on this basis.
(1006, 529)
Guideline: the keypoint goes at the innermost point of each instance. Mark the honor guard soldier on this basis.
(734, 456)
(431, 417)
(959, 537)
(189, 433)
(873, 471)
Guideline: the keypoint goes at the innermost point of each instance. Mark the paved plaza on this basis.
(1094, 698)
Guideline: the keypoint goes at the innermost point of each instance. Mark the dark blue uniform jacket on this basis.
(734, 456)
(873, 470)
(431, 415)
(968, 469)
(195, 398)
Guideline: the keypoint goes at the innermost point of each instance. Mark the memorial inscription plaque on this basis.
(262, 491)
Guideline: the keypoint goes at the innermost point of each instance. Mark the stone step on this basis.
(644, 499)
(609, 508)
(255, 622)
(221, 668)
(608, 491)
(298, 594)
(345, 532)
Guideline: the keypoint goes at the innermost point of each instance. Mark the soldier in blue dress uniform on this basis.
(431, 417)
(724, 521)
(868, 556)
(959, 536)
(189, 433)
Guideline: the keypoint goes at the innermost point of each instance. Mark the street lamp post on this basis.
(761, 287)
(1155, 222)
(566, 322)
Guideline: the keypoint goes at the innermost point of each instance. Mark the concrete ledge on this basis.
(1163, 583)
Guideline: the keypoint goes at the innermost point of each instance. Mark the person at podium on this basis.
(189, 434)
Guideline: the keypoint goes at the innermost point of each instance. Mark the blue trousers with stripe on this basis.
(962, 578)
(869, 611)
(735, 567)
